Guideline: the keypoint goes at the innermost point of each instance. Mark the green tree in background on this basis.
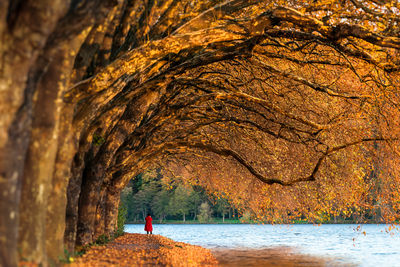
(160, 204)
(128, 203)
(196, 197)
(144, 197)
(222, 206)
(179, 203)
(205, 213)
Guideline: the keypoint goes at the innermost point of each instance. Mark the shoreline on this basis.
(157, 250)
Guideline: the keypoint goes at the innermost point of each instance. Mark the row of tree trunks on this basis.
(35, 166)
(95, 171)
(43, 148)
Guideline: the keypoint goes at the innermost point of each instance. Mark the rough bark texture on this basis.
(20, 47)
(93, 92)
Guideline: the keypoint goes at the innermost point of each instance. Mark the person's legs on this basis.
(151, 232)
(147, 232)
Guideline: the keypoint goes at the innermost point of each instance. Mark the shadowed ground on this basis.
(272, 257)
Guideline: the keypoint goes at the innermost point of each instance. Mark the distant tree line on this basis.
(172, 202)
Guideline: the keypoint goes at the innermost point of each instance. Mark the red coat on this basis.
(148, 227)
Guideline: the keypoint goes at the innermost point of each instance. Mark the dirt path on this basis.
(145, 250)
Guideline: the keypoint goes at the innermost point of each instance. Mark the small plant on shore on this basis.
(122, 211)
(69, 257)
(103, 240)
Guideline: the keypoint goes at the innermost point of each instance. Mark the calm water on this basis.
(344, 242)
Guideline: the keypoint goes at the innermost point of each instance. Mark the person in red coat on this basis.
(148, 226)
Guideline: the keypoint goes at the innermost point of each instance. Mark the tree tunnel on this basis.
(271, 93)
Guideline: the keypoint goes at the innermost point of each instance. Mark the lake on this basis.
(342, 244)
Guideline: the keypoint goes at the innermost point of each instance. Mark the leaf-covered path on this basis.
(145, 250)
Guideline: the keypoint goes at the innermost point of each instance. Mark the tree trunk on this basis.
(144, 213)
(71, 211)
(42, 152)
(21, 43)
(111, 215)
(56, 212)
(88, 204)
(85, 153)
(100, 225)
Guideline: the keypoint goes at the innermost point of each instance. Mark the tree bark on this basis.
(56, 211)
(111, 215)
(19, 49)
(100, 215)
(48, 57)
(42, 152)
(42, 220)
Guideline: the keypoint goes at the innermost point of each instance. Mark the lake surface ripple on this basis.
(340, 244)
